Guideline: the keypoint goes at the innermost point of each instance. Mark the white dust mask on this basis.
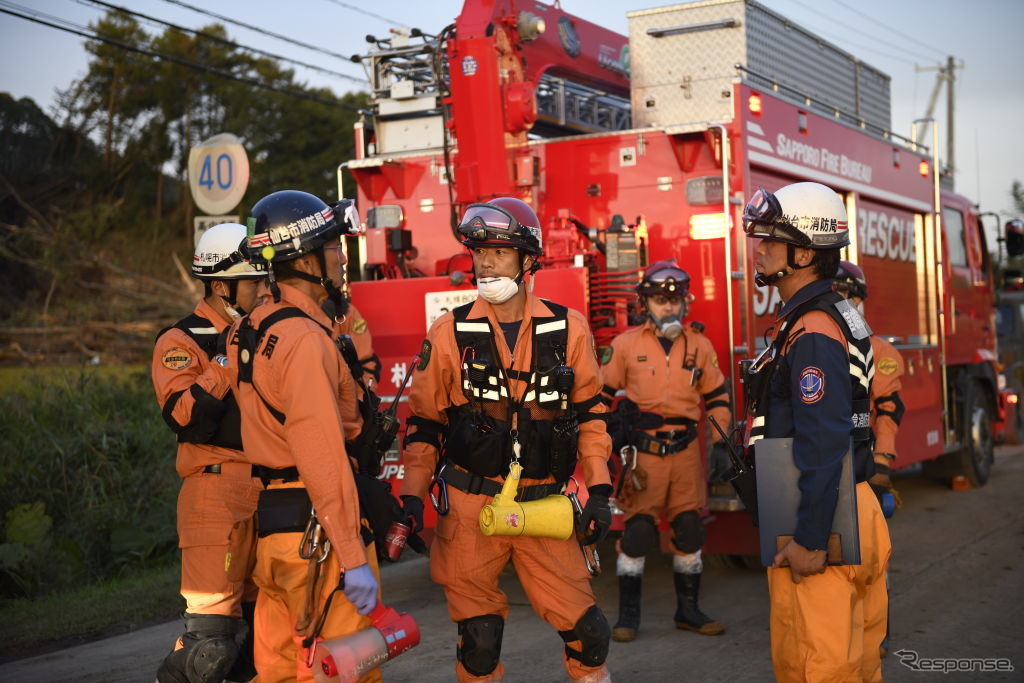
(497, 290)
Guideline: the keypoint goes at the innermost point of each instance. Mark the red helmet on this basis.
(502, 222)
(664, 277)
(850, 279)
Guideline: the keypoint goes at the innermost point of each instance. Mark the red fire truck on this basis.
(644, 148)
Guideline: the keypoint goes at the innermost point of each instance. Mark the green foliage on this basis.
(87, 482)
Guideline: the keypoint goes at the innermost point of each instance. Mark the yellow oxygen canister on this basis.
(550, 517)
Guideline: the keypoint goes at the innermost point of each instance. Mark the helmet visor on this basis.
(487, 223)
(763, 218)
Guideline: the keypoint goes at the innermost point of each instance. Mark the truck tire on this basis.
(977, 455)
(974, 459)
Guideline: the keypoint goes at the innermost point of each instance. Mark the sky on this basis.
(894, 36)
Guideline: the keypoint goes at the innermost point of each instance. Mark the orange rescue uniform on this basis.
(465, 561)
(354, 325)
(298, 371)
(215, 509)
(664, 384)
(888, 370)
(829, 626)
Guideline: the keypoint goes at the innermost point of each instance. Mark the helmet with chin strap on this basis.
(802, 215)
(503, 222)
(665, 277)
(221, 255)
(850, 279)
(288, 224)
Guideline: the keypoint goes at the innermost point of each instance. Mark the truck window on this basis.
(953, 225)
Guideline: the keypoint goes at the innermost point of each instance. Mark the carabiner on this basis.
(313, 545)
(438, 492)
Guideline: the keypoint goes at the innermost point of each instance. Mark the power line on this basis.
(258, 29)
(846, 40)
(225, 41)
(362, 11)
(889, 28)
(180, 62)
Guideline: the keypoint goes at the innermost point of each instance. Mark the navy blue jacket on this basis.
(811, 400)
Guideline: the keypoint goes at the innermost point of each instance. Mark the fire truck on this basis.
(646, 147)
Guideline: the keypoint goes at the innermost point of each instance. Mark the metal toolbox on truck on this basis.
(683, 62)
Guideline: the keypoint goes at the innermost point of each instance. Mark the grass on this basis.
(32, 626)
(19, 378)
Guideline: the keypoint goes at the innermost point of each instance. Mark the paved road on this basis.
(957, 592)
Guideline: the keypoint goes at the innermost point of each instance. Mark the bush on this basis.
(87, 483)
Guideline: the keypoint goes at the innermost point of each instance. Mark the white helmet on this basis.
(220, 255)
(807, 215)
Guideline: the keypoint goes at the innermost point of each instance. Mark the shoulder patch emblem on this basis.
(177, 358)
(359, 326)
(887, 366)
(606, 354)
(812, 384)
(425, 350)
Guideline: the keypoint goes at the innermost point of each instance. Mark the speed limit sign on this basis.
(218, 173)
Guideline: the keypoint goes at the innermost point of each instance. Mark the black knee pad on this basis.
(209, 650)
(480, 647)
(688, 531)
(640, 536)
(593, 632)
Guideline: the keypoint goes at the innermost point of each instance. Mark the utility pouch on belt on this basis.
(282, 511)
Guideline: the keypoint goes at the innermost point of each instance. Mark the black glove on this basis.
(719, 462)
(412, 509)
(597, 511)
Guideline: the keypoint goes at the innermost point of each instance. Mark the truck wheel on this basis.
(977, 455)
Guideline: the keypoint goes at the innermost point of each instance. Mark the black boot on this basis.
(688, 615)
(244, 668)
(629, 609)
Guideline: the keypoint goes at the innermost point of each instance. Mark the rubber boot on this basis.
(626, 627)
(244, 668)
(688, 615)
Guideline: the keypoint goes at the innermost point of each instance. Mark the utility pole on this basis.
(946, 73)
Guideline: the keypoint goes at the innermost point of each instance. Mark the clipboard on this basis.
(778, 497)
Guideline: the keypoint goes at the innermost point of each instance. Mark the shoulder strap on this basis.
(551, 337)
(250, 339)
(475, 333)
(200, 330)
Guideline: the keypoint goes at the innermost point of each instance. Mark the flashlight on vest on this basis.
(550, 517)
(347, 658)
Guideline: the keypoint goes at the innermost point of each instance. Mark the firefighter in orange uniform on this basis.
(351, 322)
(218, 493)
(293, 396)
(509, 378)
(667, 370)
(827, 622)
(886, 405)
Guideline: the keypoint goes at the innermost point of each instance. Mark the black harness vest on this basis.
(478, 435)
(861, 368)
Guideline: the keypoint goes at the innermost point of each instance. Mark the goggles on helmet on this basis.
(763, 217)
(486, 224)
(668, 281)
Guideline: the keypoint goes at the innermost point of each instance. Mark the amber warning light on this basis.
(922, 168)
(754, 104)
